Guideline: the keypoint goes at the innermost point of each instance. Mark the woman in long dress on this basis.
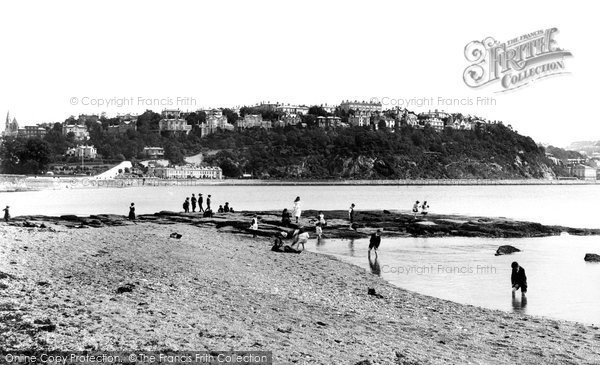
(297, 209)
(131, 212)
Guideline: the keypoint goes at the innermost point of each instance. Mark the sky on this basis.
(65, 58)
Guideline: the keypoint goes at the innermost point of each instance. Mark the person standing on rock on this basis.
(208, 202)
(351, 215)
(518, 279)
(424, 208)
(6, 213)
(286, 218)
(131, 212)
(321, 218)
(297, 209)
(200, 203)
(186, 205)
(415, 209)
(375, 241)
(194, 203)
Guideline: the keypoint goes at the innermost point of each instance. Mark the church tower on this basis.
(12, 127)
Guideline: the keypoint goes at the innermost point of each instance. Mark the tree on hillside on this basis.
(21, 156)
(232, 116)
(317, 111)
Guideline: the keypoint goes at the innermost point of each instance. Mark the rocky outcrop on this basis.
(365, 222)
(592, 257)
(506, 250)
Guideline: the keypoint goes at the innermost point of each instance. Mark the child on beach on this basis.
(318, 230)
(415, 209)
(220, 210)
(424, 208)
(186, 205)
(286, 218)
(254, 224)
(297, 209)
(300, 238)
(351, 214)
(321, 219)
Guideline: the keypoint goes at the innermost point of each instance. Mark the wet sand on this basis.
(214, 290)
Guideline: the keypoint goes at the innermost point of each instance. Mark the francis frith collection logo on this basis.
(514, 63)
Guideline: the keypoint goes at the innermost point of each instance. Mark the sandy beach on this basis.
(132, 287)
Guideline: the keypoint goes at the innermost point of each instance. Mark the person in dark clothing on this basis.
(200, 203)
(208, 213)
(518, 278)
(220, 210)
(186, 205)
(194, 203)
(351, 215)
(286, 218)
(208, 202)
(226, 207)
(6, 213)
(131, 212)
(375, 241)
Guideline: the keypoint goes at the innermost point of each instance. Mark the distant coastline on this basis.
(16, 183)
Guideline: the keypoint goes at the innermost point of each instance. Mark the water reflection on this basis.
(519, 302)
(320, 241)
(351, 246)
(374, 265)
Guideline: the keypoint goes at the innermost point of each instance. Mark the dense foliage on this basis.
(488, 151)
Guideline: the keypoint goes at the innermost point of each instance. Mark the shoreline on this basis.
(213, 289)
(393, 223)
(28, 183)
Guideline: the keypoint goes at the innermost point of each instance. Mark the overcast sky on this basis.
(229, 53)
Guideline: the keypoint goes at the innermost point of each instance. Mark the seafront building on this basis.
(583, 172)
(188, 172)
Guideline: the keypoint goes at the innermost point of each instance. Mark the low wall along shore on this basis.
(28, 183)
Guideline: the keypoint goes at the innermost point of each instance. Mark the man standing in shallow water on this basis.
(518, 279)
(375, 241)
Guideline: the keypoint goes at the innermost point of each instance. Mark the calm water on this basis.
(464, 270)
(566, 205)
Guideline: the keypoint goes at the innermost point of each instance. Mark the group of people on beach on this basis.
(190, 204)
(196, 202)
(423, 207)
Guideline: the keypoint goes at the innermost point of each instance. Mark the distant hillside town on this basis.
(159, 142)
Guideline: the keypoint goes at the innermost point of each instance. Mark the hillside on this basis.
(588, 147)
(487, 152)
